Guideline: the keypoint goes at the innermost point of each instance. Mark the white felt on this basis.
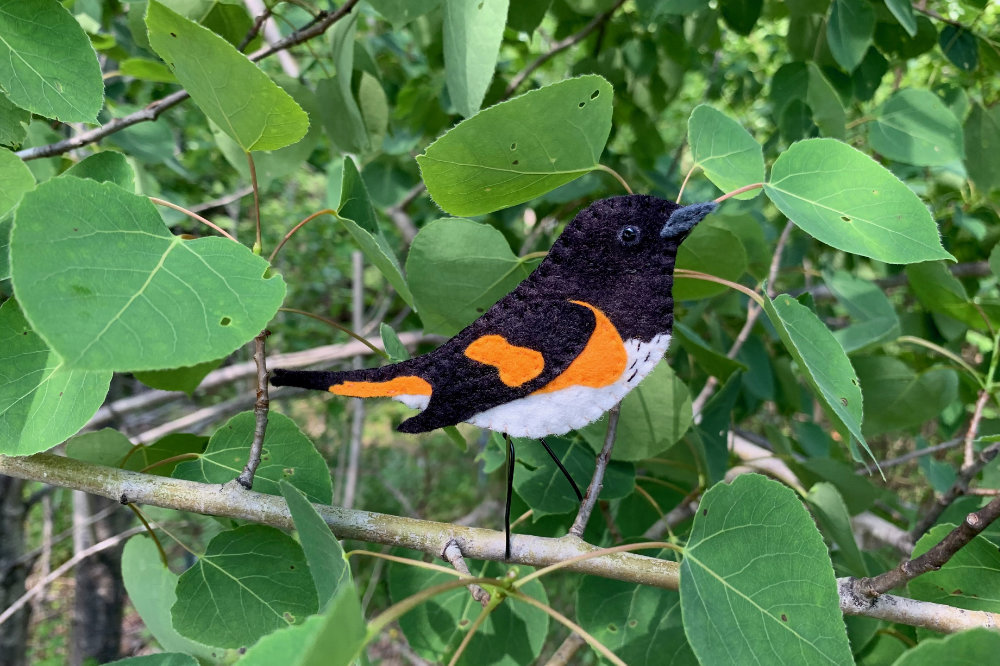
(543, 414)
(414, 401)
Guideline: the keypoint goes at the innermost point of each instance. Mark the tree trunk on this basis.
(14, 632)
(100, 592)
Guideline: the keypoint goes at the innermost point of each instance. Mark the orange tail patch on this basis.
(600, 363)
(517, 365)
(406, 385)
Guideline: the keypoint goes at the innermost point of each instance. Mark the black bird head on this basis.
(619, 253)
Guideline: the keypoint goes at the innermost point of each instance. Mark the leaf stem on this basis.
(339, 327)
(488, 608)
(325, 211)
(430, 566)
(618, 176)
(696, 275)
(687, 177)
(151, 532)
(167, 461)
(193, 215)
(952, 356)
(394, 612)
(738, 191)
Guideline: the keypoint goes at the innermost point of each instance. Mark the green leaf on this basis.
(146, 70)
(106, 447)
(111, 448)
(914, 126)
(543, 487)
(16, 179)
(139, 297)
(42, 401)
(828, 111)
(940, 291)
(401, 12)
(393, 347)
(849, 31)
(234, 93)
(473, 30)
(653, 418)
(995, 260)
(711, 360)
(6, 224)
(457, 269)
(287, 455)
(108, 166)
(640, 624)
(184, 379)
(969, 580)
(249, 582)
(845, 199)
(327, 563)
(358, 216)
(874, 318)
(982, 145)
(527, 15)
(831, 512)
(756, 581)
(162, 659)
(14, 123)
(512, 635)
(725, 151)
(973, 646)
(150, 587)
(713, 250)
(339, 110)
(521, 148)
(897, 398)
(960, 46)
(741, 15)
(335, 638)
(903, 11)
(69, 87)
(823, 362)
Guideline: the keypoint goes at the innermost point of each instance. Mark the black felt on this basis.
(630, 283)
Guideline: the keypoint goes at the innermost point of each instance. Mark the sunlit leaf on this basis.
(729, 156)
(914, 126)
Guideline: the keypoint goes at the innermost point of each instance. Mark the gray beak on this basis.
(683, 219)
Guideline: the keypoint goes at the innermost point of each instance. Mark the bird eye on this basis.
(629, 235)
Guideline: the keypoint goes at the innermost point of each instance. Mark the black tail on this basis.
(309, 379)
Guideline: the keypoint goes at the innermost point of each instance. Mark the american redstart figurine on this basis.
(579, 333)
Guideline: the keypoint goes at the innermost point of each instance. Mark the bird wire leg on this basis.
(562, 469)
(510, 489)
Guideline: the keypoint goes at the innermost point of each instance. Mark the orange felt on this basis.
(406, 385)
(601, 362)
(517, 365)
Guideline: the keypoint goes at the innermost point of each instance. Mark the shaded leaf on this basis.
(756, 581)
(713, 250)
(249, 582)
(711, 360)
(973, 646)
(903, 11)
(16, 179)
(827, 109)
(287, 455)
(982, 145)
(845, 199)
(831, 512)
(970, 579)
(401, 12)
(914, 126)
(184, 379)
(960, 46)
(234, 93)
(849, 31)
(390, 341)
(69, 87)
(14, 123)
(457, 269)
(729, 156)
(940, 291)
(42, 400)
(521, 148)
(897, 398)
(874, 318)
(327, 563)
(139, 297)
(473, 30)
(107, 166)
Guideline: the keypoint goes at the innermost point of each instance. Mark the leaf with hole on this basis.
(249, 582)
(287, 455)
(139, 297)
(234, 93)
(42, 400)
(845, 199)
(457, 269)
(725, 151)
(756, 581)
(520, 149)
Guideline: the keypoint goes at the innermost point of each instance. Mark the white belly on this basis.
(556, 413)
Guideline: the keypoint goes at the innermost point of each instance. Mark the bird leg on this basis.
(510, 490)
(562, 469)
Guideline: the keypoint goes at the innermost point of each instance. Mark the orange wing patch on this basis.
(406, 385)
(517, 365)
(601, 362)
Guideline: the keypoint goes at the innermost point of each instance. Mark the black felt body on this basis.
(629, 282)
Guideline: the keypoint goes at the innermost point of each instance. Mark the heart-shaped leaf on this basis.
(139, 297)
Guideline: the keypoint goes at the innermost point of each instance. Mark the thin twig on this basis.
(291, 232)
(566, 651)
(397, 213)
(958, 489)
(339, 327)
(561, 46)
(933, 559)
(357, 404)
(317, 26)
(597, 482)
(453, 554)
(969, 454)
(193, 215)
(260, 408)
(912, 455)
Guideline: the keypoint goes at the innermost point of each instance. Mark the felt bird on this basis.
(565, 346)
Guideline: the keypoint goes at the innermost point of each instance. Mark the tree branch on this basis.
(961, 485)
(260, 407)
(936, 617)
(597, 482)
